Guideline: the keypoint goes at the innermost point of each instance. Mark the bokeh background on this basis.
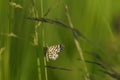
(22, 41)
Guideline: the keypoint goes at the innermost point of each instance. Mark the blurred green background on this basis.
(22, 40)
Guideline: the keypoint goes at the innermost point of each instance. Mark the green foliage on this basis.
(88, 29)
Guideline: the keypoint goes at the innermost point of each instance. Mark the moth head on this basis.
(61, 46)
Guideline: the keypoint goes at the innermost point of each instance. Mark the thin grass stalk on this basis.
(36, 40)
(41, 62)
(1, 60)
(43, 38)
(78, 45)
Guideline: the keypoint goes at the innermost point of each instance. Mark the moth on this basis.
(51, 52)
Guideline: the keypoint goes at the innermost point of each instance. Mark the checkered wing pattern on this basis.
(52, 51)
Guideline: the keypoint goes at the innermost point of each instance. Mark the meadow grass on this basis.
(87, 31)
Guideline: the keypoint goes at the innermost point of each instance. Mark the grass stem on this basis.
(78, 45)
(43, 38)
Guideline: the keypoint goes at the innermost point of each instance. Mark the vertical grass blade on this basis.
(78, 46)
